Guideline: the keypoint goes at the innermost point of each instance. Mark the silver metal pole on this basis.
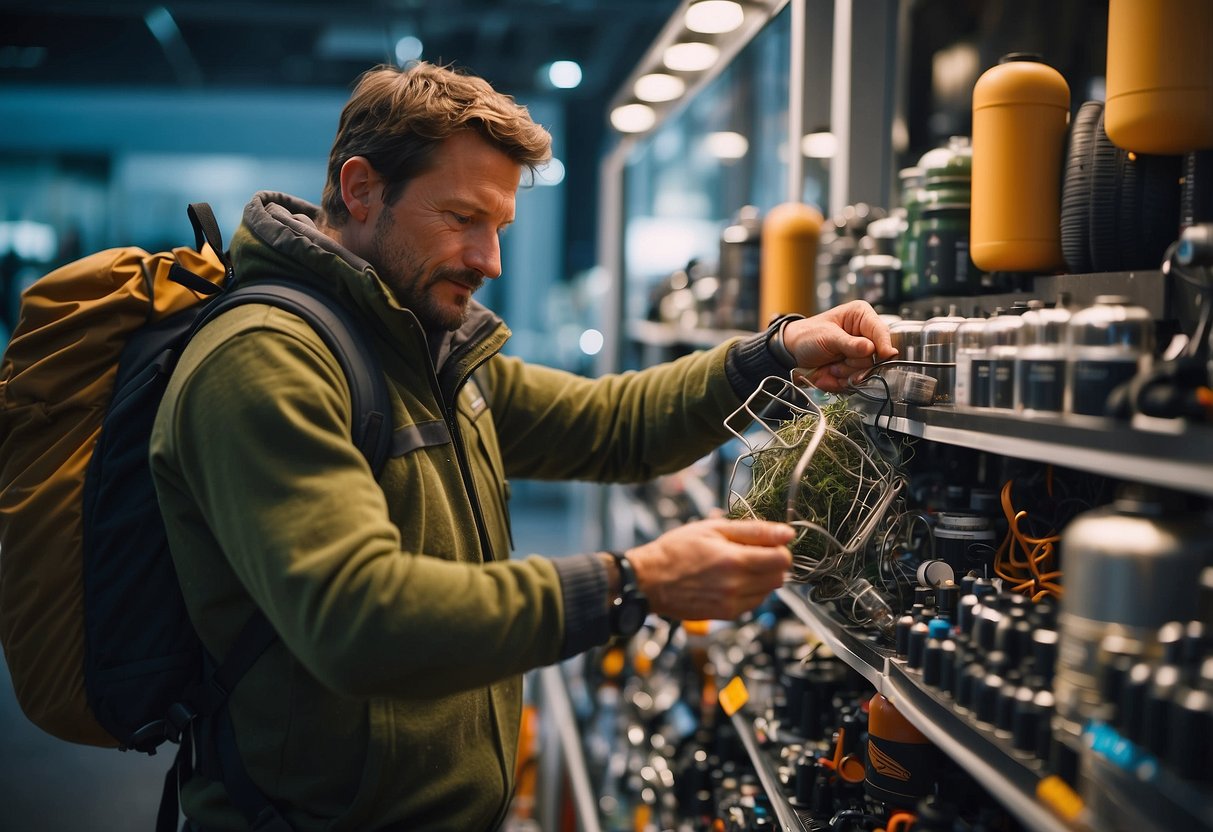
(796, 81)
(560, 709)
(840, 107)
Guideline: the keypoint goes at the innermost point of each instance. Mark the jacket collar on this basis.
(279, 236)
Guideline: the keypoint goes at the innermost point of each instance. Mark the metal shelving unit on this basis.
(1166, 452)
(1010, 778)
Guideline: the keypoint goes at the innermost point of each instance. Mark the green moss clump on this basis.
(828, 488)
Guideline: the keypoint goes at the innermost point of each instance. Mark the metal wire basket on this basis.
(819, 469)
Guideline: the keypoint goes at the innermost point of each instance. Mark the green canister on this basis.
(944, 265)
(907, 246)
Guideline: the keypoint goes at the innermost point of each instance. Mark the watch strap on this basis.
(775, 343)
(627, 575)
(629, 606)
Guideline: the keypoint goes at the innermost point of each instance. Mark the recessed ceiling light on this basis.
(564, 75)
(820, 145)
(727, 145)
(658, 86)
(408, 48)
(714, 17)
(633, 118)
(690, 57)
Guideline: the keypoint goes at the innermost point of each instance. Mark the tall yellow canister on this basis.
(1021, 108)
(1160, 75)
(790, 234)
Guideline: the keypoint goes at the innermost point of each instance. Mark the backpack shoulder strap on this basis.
(371, 406)
(361, 365)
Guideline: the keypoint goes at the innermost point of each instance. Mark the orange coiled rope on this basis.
(1027, 563)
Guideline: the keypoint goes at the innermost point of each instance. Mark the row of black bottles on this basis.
(991, 653)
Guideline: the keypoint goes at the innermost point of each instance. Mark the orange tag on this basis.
(697, 628)
(733, 696)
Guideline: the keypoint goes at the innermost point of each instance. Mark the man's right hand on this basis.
(714, 569)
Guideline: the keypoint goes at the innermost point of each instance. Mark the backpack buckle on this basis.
(178, 721)
(175, 723)
(145, 738)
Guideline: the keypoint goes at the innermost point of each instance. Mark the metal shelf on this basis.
(1170, 453)
(850, 644)
(655, 334)
(789, 820)
(1008, 777)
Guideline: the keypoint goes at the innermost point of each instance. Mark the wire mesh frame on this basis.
(874, 483)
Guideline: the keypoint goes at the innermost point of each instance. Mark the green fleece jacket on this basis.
(392, 699)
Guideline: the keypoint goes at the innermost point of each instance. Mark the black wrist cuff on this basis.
(754, 358)
(775, 341)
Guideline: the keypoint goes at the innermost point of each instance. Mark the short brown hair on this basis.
(397, 117)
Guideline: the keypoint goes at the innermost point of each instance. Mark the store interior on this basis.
(1000, 612)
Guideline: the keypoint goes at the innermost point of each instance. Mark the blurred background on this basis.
(116, 114)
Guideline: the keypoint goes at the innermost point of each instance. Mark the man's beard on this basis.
(403, 272)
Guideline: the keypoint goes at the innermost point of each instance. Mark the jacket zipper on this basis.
(450, 407)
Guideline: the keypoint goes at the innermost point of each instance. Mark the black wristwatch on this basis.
(630, 607)
(778, 349)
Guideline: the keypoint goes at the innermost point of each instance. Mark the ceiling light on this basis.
(714, 17)
(690, 57)
(821, 145)
(591, 342)
(564, 75)
(550, 173)
(727, 145)
(633, 118)
(408, 48)
(658, 86)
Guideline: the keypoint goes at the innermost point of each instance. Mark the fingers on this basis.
(855, 349)
(852, 333)
(883, 342)
(756, 532)
(859, 318)
(713, 568)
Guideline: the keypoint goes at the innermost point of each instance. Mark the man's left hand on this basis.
(836, 344)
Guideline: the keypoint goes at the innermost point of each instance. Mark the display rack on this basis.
(768, 776)
(1165, 452)
(1007, 776)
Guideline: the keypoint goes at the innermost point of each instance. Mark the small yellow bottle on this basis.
(1021, 109)
(1160, 75)
(790, 234)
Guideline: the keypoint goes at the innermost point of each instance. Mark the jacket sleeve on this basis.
(262, 487)
(625, 427)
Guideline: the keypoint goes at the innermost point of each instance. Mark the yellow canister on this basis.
(788, 262)
(1021, 108)
(1160, 75)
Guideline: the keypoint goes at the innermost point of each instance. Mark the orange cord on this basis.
(1026, 574)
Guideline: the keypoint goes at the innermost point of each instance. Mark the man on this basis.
(392, 698)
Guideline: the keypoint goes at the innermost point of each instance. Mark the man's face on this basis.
(435, 246)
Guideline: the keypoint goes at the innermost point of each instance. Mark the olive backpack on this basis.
(92, 620)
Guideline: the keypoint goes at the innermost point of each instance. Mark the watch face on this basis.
(628, 617)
